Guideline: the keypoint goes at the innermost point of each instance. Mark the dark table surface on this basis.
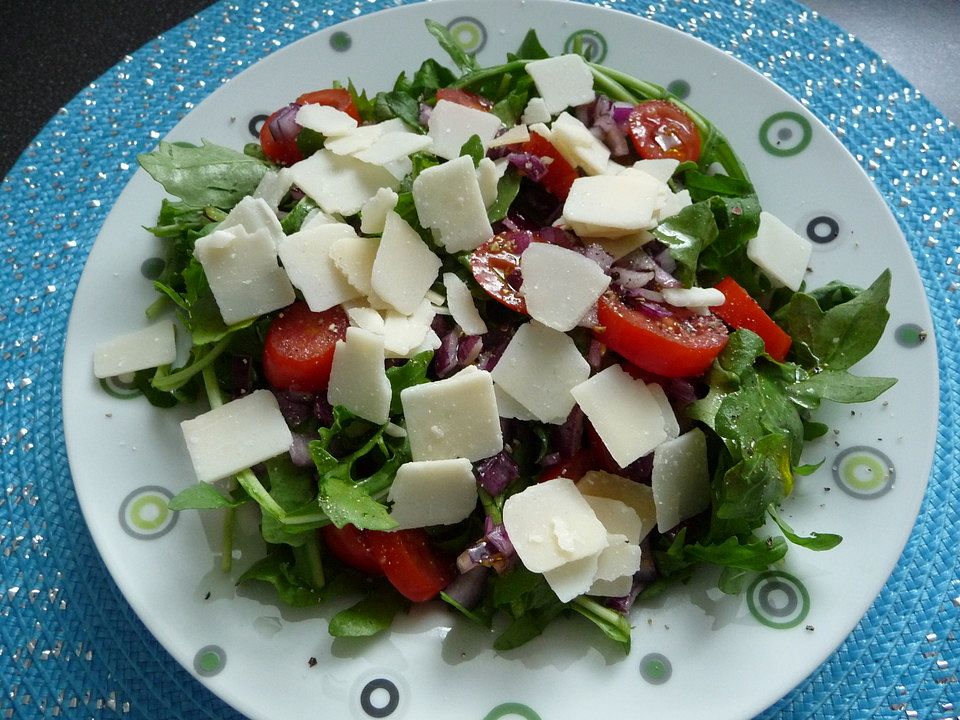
(50, 49)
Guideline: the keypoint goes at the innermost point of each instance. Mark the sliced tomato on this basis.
(660, 129)
(338, 98)
(282, 151)
(298, 350)
(465, 98)
(349, 545)
(560, 174)
(741, 311)
(574, 467)
(680, 345)
(411, 563)
(496, 267)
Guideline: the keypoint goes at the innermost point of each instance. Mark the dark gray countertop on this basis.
(50, 49)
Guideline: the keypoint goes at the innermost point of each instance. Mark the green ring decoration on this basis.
(775, 147)
(863, 472)
(469, 33)
(512, 708)
(774, 616)
(145, 513)
(656, 668)
(592, 42)
(209, 660)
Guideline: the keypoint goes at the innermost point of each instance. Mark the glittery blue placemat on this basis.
(69, 644)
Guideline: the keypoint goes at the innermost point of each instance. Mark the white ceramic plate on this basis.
(695, 651)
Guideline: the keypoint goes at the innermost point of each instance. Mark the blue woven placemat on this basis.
(69, 644)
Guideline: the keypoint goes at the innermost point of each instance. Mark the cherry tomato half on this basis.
(679, 345)
(298, 350)
(465, 98)
(739, 310)
(496, 267)
(411, 563)
(283, 151)
(349, 545)
(660, 129)
(560, 174)
(574, 467)
(338, 98)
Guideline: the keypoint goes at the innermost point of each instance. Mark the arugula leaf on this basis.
(203, 175)
(816, 541)
(507, 189)
(753, 555)
(412, 372)
(530, 48)
(613, 624)
(363, 104)
(369, 616)
(203, 496)
(464, 61)
(344, 502)
(291, 487)
(838, 386)
(474, 148)
(397, 104)
(277, 568)
(510, 105)
(687, 234)
(703, 186)
(309, 141)
(429, 78)
(293, 220)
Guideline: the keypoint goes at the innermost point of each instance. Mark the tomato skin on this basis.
(465, 98)
(560, 174)
(496, 262)
(298, 350)
(741, 311)
(338, 98)
(282, 152)
(660, 129)
(350, 546)
(682, 345)
(412, 565)
(574, 467)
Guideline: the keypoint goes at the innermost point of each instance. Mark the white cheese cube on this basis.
(612, 205)
(673, 204)
(488, 176)
(148, 347)
(779, 251)
(535, 112)
(559, 285)
(550, 524)
(670, 425)
(393, 146)
(404, 268)
(236, 435)
(513, 136)
(362, 137)
(243, 273)
(580, 147)
(373, 213)
(462, 307)
(681, 481)
(624, 413)
(357, 378)
(325, 120)
(306, 257)
(366, 318)
(661, 168)
(616, 566)
(510, 408)
(563, 81)
(617, 518)
(453, 418)
(573, 578)
(433, 492)
(637, 496)
(252, 214)
(693, 297)
(451, 125)
(538, 369)
(340, 184)
(448, 200)
(403, 333)
(273, 186)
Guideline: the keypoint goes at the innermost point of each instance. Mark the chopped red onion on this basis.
(494, 343)
(654, 310)
(680, 391)
(496, 472)
(521, 240)
(601, 257)
(469, 349)
(323, 410)
(528, 164)
(549, 460)
(467, 588)
(651, 295)
(557, 236)
(283, 125)
(665, 260)
(616, 141)
(445, 359)
(570, 434)
(637, 260)
(582, 113)
(300, 451)
(621, 112)
(295, 410)
(595, 354)
(425, 112)
(497, 536)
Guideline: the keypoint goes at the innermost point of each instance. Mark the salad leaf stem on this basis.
(614, 625)
(229, 525)
(178, 379)
(478, 76)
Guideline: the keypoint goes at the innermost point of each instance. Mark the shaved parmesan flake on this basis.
(660, 168)
(462, 308)
(362, 137)
(580, 147)
(674, 203)
(453, 418)
(433, 492)
(243, 273)
(550, 524)
(430, 343)
(670, 425)
(448, 200)
(318, 217)
(624, 413)
(393, 146)
(404, 268)
(273, 186)
(306, 257)
(403, 333)
(535, 112)
(539, 368)
(340, 184)
(357, 378)
(148, 347)
(779, 251)
(636, 496)
(354, 257)
(612, 205)
(325, 120)
(236, 435)
(616, 566)
(254, 214)
(559, 285)
(507, 407)
(451, 125)
(693, 297)
(624, 245)
(373, 214)
(563, 81)
(513, 136)
(680, 480)
(366, 318)
(488, 176)
(617, 518)
(573, 578)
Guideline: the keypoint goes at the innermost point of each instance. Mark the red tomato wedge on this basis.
(679, 345)
(496, 267)
(574, 467)
(298, 350)
(349, 545)
(412, 565)
(660, 129)
(338, 98)
(741, 311)
(560, 174)
(281, 151)
(465, 98)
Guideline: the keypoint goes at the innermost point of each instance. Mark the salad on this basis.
(519, 338)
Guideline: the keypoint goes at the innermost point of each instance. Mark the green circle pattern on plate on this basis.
(469, 33)
(145, 514)
(120, 387)
(778, 600)
(590, 43)
(785, 134)
(679, 88)
(863, 472)
(209, 660)
(656, 668)
(910, 335)
(506, 710)
(341, 41)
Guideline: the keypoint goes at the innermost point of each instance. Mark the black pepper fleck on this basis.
(312, 662)
(810, 628)
(207, 596)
